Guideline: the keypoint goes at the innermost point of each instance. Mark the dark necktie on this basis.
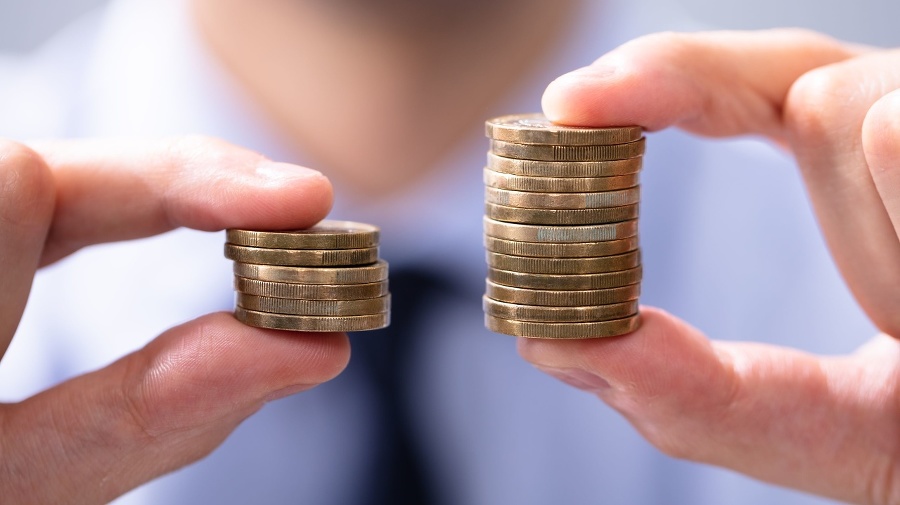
(383, 358)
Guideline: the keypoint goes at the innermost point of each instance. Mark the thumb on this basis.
(97, 436)
(652, 376)
(775, 414)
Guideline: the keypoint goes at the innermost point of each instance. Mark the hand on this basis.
(825, 425)
(97, 436)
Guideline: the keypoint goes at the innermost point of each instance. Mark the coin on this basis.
(563, 282)
(568, 153)
(504, 310)
(537, 129)
(558, 184)
(560, 228)
(315, 307)
(535, 168)
(527, 264)
(301, 257)
(547, 233)
(327, 234)
(561, 298)
(611, 328)
(535, 200)
(312, 323)
(375, 272)
(560, 250)
(561, 216)
(311, 291)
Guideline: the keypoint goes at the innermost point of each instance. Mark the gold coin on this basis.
(361, 307)
(534, 168)
(311, 291)
(568, 281)
(568, 153)
(312, 323)
(547, 233)
(546, 314)
(561, 216)
(558, 184)
(535, 200)
(327, 234)
(535, 265)
(301, 257)
(612, 328)
(375, 272)
(562, 298)
(537, 129)
(560, 250)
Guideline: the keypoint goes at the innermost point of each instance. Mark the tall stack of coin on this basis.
(325, 278)
(560, 225)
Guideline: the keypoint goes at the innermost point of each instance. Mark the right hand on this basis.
(824, 424)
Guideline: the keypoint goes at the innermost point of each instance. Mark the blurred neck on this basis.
(377, 92)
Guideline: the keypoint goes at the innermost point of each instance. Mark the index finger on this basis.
(110, 190)
(715, 83)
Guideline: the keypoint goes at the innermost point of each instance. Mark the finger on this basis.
(774, 414)
(824, 112)
(881, 144)
(797, 87)
(26, 207)
(110, 190)
(715, 83)
(169, 404)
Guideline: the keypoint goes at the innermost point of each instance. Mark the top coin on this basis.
(326, 234)
(537, 129)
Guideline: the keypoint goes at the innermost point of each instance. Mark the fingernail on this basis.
(275, 171)
(578, 378)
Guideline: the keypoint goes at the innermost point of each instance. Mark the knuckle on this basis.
(139, 418)
(26, 184)
(142, 414)
(820, 104)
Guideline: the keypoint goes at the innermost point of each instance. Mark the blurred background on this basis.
(24, 25)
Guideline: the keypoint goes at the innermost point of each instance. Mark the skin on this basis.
(824, 425)
(418, 60)
(172, 402)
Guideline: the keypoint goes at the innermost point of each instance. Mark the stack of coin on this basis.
(325, 278)
(560, 225)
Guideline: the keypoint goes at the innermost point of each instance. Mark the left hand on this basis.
(96, 436)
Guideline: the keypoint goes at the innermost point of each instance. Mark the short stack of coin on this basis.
(325, 278)
(561, 209)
